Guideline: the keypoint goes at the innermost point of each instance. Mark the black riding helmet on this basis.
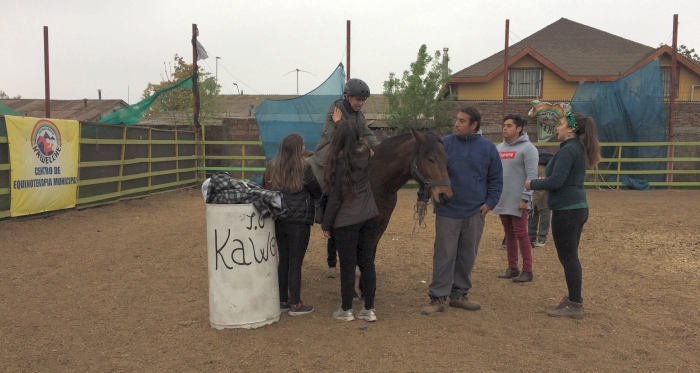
(356, 87)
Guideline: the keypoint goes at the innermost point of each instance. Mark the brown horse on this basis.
(398, 159)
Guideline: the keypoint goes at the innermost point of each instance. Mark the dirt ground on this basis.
(124, 288)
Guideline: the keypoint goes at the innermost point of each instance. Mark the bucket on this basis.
(242, 261)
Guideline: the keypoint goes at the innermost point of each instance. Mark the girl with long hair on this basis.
(351, 217)
(291, 175)
(564, 177)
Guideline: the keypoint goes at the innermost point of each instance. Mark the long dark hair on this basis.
(344, 151)
(587, 133)
(287, 168)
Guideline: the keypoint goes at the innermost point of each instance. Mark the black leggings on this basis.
(355, 245)
(292, 241)
(566, 231)
(330, 252)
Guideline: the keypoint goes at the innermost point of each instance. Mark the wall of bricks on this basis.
(687, 116)
(687, 129)
(241, 129)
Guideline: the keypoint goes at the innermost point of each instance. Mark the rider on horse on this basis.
(355, 94)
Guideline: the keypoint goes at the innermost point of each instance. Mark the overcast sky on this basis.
(120, 46)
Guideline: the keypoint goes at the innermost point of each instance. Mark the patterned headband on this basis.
(572, 121)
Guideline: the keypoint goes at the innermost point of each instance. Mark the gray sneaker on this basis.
(540, 243)
(339, 314)
(332, 273)
(367, 315)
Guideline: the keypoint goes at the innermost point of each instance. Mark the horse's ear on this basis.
(417, 135)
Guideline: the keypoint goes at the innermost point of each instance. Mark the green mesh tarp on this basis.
(4, 110)
(629, 109)
(132, 114)
(304, 114)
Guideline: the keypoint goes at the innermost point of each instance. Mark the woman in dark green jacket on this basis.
(564, 177)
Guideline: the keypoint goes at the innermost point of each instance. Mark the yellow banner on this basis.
(43, 163)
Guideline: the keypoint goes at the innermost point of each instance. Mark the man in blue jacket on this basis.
(476, 175)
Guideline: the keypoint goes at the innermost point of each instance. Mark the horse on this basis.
(398, 159)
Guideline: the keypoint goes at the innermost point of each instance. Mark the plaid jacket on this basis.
(225, 190)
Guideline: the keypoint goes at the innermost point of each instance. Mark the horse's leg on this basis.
(386, 206)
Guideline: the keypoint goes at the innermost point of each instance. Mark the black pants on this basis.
(330, 252)
(292, 241)
(566, 231)
(355, 245)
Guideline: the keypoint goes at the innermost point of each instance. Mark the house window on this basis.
(666, 80)
(524, 82)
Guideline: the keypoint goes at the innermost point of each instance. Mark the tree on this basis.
(181, 99)
(688, 53)
(4, 96)
(416, 99)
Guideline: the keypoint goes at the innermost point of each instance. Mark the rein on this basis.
(419, 213)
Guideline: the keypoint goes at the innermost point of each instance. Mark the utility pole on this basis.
(195, 80)
(505, 73)
(47, 89)
(217, 71)
(672, 101)
(347, 77)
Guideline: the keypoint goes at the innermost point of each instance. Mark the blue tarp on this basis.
(629, 109)
(304, 114)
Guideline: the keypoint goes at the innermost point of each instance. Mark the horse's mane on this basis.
(431, 139)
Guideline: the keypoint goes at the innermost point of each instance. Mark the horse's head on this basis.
(429, 167)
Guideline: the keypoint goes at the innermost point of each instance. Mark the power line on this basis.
(516, 35)
(242, 82)
(205, 61)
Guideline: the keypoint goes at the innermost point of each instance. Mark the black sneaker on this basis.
(300, 309)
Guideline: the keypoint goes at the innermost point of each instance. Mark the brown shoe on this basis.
(572, 310)
(436, 305)
(509, 273)
(564, 302)
(465, 303)
(524, 277)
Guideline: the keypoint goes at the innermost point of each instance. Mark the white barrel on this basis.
(242, 260)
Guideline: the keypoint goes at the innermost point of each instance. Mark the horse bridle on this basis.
(424, 184)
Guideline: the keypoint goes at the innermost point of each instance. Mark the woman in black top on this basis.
(564, 177)
(290, 174)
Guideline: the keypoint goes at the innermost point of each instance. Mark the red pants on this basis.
(515, 228)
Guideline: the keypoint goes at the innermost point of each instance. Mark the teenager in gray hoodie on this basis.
(519, 159)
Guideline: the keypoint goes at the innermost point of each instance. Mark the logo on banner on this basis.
(46, 141)
(507, 155)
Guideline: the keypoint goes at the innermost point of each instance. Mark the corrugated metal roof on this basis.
(65, 109)
(238, 106)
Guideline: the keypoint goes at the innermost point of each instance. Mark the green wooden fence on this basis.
(159, 161)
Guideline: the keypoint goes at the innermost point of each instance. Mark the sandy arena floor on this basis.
(124, 288)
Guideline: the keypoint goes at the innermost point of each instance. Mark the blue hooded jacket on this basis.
(476, 175)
